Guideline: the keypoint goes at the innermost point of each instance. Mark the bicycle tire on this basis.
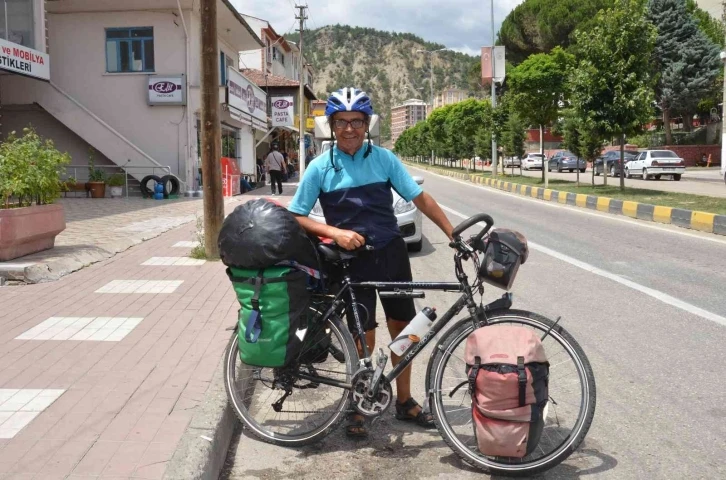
(460, 331)
(232, 354)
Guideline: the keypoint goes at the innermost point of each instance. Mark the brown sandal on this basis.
(423, 419)
(356, 427)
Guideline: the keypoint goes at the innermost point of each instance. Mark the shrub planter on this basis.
(117, 192)
(29, 230)
(98, 189)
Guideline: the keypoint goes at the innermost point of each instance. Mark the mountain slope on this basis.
(384, 64)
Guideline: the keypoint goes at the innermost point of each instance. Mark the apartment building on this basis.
(406, 115)
(124, 79)
(275, 68)
(449, 96)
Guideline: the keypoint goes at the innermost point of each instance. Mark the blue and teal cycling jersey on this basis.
(355, 192)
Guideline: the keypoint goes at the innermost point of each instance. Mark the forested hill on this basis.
(386, 65)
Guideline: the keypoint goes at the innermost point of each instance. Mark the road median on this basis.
(709, 222)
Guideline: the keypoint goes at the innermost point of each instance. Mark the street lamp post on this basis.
(431, 81)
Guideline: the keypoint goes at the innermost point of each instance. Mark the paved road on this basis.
(694, 181)
(647, 305)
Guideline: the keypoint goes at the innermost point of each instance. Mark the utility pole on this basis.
(494, 101)
(211, 130)
(431, 90)
(301, 74)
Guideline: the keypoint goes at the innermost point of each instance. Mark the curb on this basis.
(202, 450)
(691, 219)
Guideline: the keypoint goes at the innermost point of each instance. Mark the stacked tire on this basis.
(170, 182)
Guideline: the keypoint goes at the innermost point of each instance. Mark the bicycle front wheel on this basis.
(570, 409)
(280, 407)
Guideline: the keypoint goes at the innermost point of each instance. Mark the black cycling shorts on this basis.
(388, 264)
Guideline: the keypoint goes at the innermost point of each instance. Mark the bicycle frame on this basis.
(406, 290)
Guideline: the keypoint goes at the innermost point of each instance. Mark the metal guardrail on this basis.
(126, 169)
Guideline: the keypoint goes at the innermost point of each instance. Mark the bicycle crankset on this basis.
(378, 404)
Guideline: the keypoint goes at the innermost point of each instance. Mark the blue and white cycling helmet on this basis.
(349, 100)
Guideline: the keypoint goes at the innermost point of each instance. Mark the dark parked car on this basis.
(565, 160)
(612, 161)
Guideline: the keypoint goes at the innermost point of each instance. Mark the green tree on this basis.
(537, 89)
(612, 86)
(581, 137)
(537, 26)
(686, 59)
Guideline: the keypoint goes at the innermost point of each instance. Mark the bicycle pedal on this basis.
(382, 358)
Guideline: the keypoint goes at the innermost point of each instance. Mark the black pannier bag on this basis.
(260, 234)
(506, 250)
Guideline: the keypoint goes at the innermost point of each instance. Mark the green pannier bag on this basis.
(274, 303)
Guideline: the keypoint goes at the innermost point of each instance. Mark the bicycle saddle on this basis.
(334, 253)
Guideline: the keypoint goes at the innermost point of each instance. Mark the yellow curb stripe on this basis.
(702, 221)
(662, 214)
(534, 192)
(581, 200)
(562, 197)
(603, 204)
(630, 209)
(548, 194)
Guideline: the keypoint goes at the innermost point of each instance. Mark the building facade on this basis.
(406, 115)
(449, 97)
(124, 82)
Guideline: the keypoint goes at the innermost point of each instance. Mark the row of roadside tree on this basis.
(638, 58)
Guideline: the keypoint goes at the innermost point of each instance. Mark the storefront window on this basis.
(229, 143)
(16, 22)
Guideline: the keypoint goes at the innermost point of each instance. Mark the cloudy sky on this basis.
(462, 25)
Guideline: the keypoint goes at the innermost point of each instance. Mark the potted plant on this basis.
(116, 182)
(30, 171)
(96, 178)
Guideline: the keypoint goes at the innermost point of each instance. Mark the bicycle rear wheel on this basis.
(571, 405)
(309, 410)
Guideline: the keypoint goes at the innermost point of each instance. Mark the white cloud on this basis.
(462, 25)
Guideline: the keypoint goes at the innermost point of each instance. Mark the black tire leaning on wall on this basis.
(145, 190)
(170, 179)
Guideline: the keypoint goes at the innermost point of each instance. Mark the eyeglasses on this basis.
(343, 124)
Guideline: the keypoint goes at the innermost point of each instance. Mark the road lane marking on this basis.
(658, 295)
(606, 216)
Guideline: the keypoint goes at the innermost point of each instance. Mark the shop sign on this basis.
(283, 111)
(23, 60)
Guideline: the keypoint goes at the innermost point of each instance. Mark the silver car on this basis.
(409, 219)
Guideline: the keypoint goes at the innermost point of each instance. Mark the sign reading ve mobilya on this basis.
(24, 61)
(246, 97)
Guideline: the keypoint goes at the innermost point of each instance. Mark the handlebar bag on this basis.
(505, 251)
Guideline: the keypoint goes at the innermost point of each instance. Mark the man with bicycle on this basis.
(353, 183)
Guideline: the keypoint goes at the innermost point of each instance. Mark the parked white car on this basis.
(512, 162)
(654, 163)
(408, 216)
(532, 160)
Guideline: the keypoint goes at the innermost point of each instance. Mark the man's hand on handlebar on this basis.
(349, 239)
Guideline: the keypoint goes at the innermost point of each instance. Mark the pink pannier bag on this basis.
(508, 378)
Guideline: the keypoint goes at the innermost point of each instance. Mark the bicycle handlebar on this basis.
(480, 217)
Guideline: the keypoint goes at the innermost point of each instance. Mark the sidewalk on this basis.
(97, 229)
(102, 370)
